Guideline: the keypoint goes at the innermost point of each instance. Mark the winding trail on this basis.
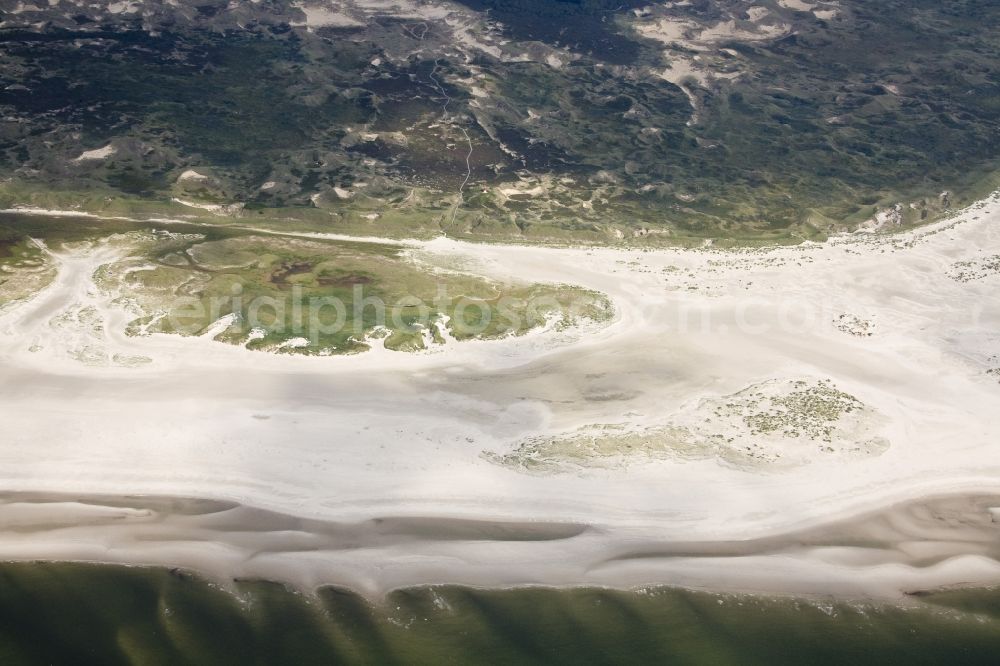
(468, 157)
(446, 119)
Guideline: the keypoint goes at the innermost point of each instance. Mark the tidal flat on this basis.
(393, 448)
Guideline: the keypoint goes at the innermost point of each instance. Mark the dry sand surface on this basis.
(703, 465)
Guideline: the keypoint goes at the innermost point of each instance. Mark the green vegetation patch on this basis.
(318, 297)
(879, 109)
(771, 425)
(24, 266)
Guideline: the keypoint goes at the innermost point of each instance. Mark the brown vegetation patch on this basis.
(288, 269)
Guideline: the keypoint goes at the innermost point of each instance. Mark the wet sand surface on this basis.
(891, 552)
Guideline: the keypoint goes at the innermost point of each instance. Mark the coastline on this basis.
(883, 555)
(110, 615)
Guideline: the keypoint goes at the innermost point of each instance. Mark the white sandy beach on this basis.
(400, 437)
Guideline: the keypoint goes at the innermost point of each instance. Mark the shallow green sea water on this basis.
(79, 614)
